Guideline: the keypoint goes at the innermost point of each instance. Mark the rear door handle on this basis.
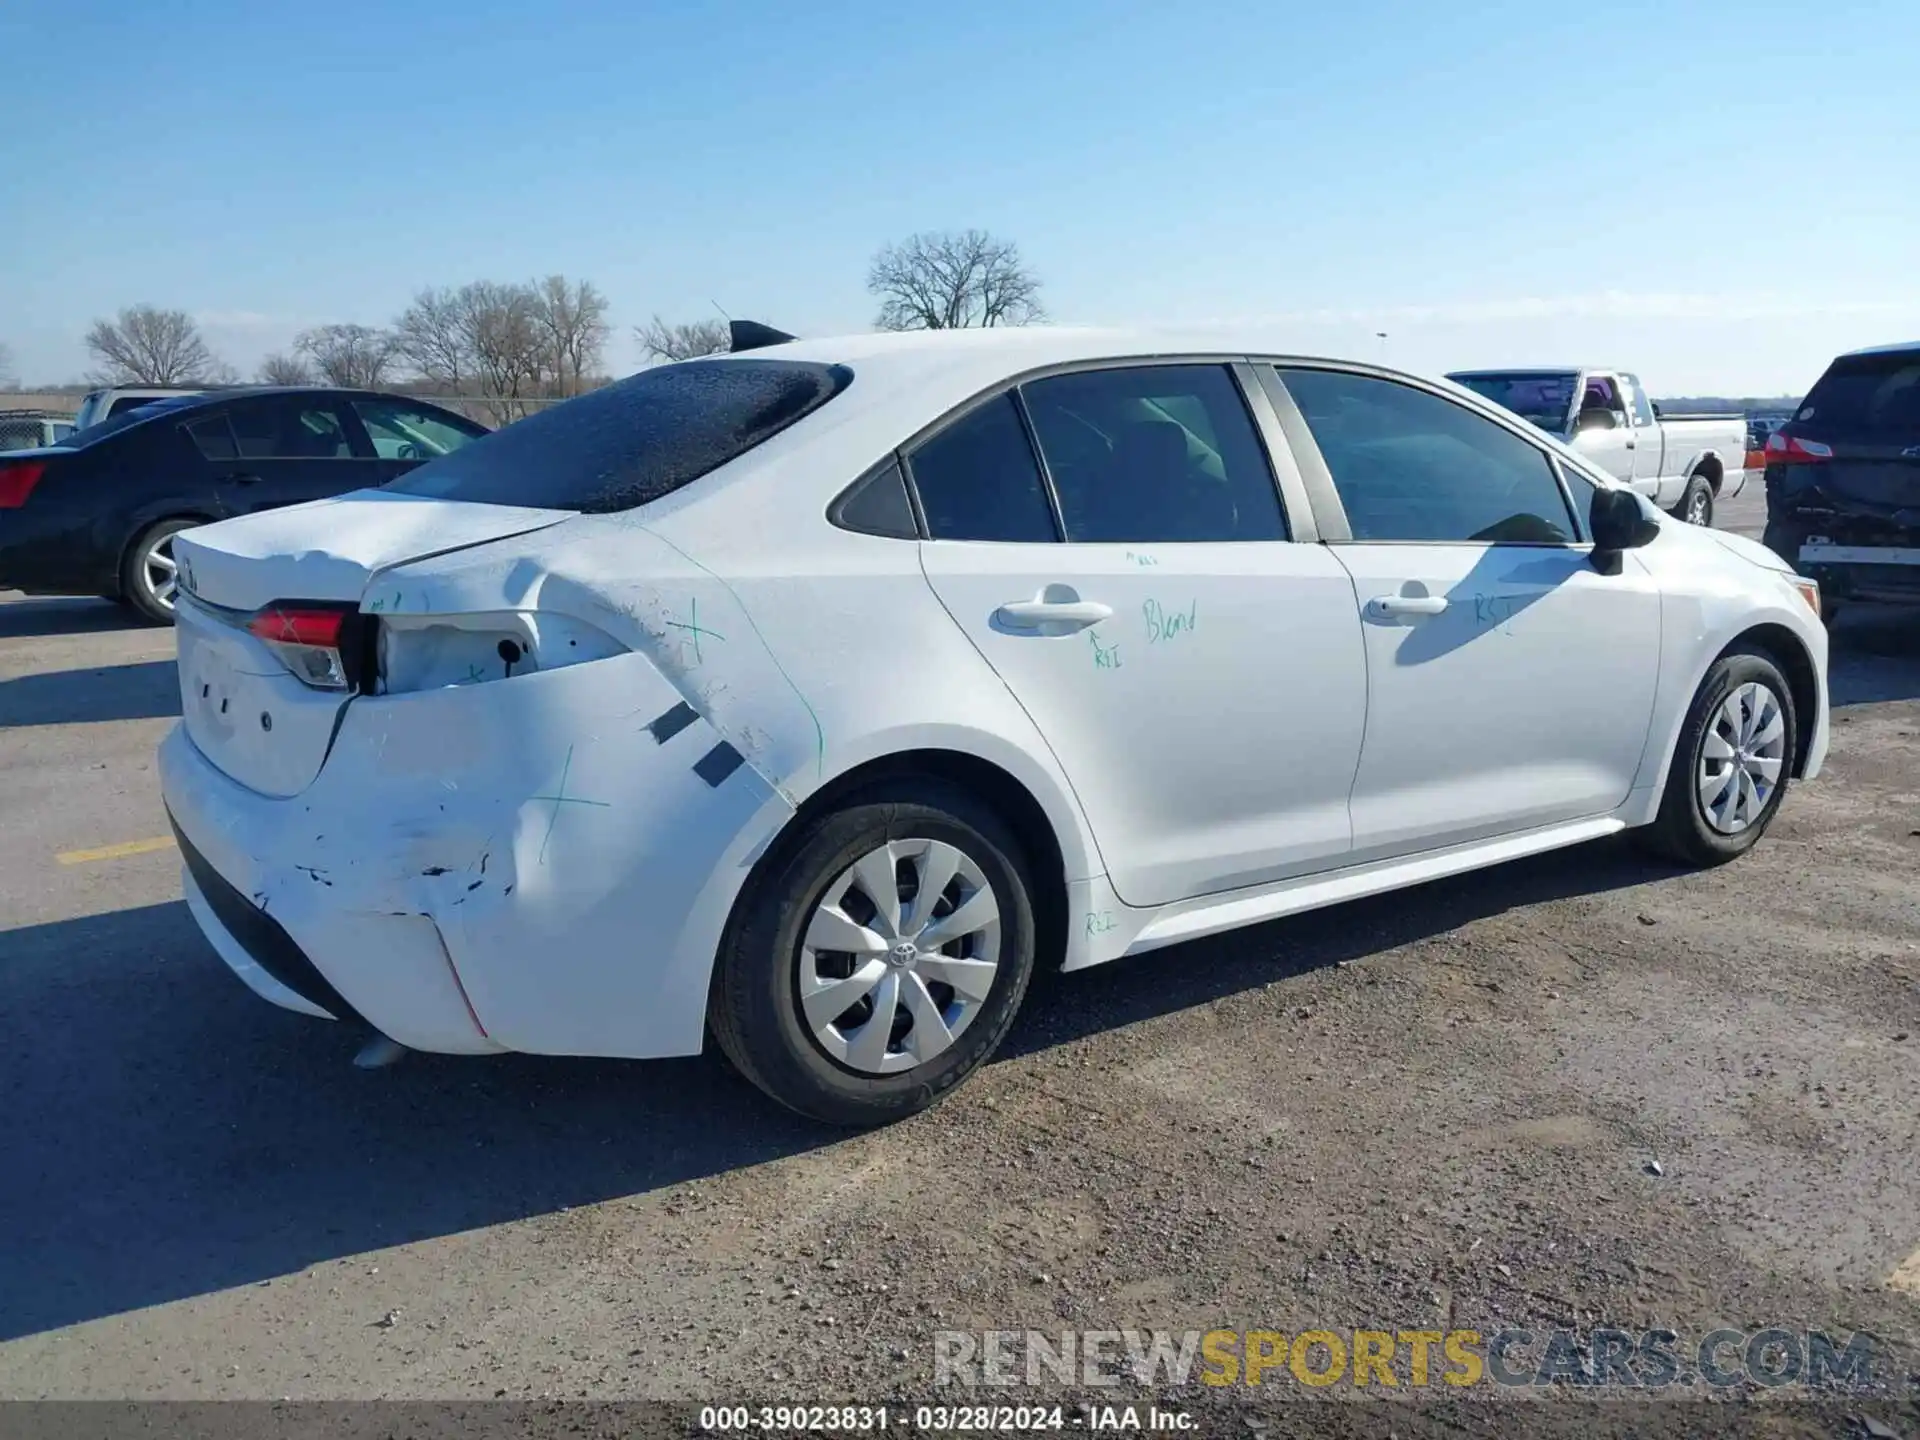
(1032, 614)
(244, 479)
(1409, 604)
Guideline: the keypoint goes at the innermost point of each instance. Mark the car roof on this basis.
(919, 375)
(1886, 349)
(1542, 370)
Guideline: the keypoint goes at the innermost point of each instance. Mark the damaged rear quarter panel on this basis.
(578, 867)
(812, 650)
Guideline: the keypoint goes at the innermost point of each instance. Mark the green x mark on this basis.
(559, 798)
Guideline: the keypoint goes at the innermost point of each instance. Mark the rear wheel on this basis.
(881, 957)
(1696, 502)
(148, 577)
(1731, 765)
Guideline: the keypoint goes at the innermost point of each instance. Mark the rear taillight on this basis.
(17, 481)
(1791, 450)
(312, 641)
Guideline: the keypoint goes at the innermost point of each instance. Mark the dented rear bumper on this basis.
(543, 864)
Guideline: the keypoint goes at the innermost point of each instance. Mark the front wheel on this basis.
(1731, 765)
(1696, 502)
(880, 958)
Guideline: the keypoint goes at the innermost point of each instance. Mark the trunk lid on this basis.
(242, 707)
(330, 549)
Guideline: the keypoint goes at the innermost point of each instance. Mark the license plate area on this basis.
(245, 712)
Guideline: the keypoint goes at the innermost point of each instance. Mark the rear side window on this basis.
(978, 479)
(288, 430)
(213, 437)
(1409, 465)
(1865, 397)
(1155, 453)
(625, 444)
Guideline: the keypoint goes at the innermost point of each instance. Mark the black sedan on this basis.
(96, 514)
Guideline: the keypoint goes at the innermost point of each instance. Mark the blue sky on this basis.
(1719, 193)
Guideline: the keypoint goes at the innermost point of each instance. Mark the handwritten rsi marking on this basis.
(1163, 624)
(1105, 657)
(1496, 611)
(691, 625)
(1099, 922)
(1139, 559)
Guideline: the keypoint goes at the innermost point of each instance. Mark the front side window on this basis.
(1163, 453)
(400, 431)
(977, 479)
(1411, 466)
(625, 444)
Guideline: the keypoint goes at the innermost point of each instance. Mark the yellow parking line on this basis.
(115, 852)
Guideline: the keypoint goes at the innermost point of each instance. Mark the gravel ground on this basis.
(1579, 1090)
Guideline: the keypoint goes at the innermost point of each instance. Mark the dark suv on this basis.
(1843, 479)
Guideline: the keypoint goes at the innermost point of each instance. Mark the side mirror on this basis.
(1595, 417)
(1618, 521)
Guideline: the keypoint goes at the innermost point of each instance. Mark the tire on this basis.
(148, 560)
(1689, 829)
(1696, 502)
(835, 1068)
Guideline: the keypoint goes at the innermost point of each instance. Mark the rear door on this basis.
(1199, 674)
(286, 450)
(1511, 684)
(1649, 447)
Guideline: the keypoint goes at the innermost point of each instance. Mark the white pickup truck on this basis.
(1683, 463)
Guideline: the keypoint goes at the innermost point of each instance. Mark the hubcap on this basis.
(160, 573)
(1741, 758)
(900, 956)
(1697, 511)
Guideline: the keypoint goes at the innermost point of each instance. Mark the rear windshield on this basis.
(1865, 397)
(1542, 399)
(633, 441)
(123, 419)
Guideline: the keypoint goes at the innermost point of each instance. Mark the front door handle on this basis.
(244, 479)
(1032, 614)
(1409, 604)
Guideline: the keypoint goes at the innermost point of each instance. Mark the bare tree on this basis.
(431, 336)
(354, 356)
(662, 341)
(280, 369)
(144, 345)
(572, 319)
(949, 279)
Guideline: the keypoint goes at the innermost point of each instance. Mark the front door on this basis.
(1611, 446)
(1511, 684)
(1200, 677)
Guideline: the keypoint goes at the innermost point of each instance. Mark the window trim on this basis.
(1240, 368)
(1335, 528)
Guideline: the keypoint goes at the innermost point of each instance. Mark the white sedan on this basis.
(815, 694)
